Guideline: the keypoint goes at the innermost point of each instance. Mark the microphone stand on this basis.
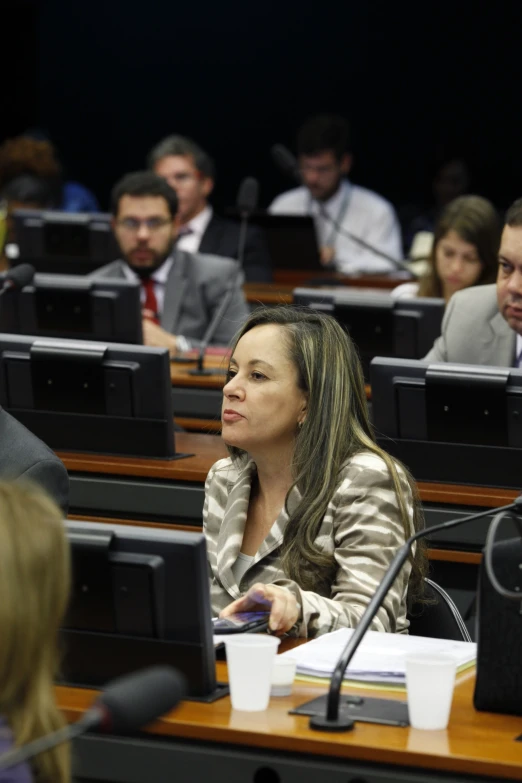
(90, 720)
(362, 242)
(216, 320)
(331, 720)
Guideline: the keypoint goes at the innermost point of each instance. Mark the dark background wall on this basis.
(109, 79)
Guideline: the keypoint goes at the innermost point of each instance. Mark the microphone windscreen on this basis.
(248, 195)
(287, 162)
(19, 276)
(134, 700)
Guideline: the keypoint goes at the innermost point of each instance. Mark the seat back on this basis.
(439, 618)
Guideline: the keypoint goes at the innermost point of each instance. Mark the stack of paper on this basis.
(380, 657)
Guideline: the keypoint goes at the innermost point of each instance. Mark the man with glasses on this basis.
(325, 161)
(181, 291)
(190, 171)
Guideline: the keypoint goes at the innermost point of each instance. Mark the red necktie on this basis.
(151, 303)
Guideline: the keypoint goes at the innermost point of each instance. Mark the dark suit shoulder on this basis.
(24, 455)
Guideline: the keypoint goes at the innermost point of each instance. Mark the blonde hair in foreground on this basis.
(335, 429)
(34, 590)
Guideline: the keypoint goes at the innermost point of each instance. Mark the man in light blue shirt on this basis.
(325, 161)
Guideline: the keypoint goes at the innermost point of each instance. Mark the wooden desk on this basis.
(134, 488)
(298, 277)
(215, 743)
(280, 292)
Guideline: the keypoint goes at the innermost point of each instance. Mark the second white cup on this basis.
(250, 658)
(430, 680)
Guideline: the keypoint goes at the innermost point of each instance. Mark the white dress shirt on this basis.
(405, 291)
(160, 280)
(359, 211)
(518, 350)
(195, 230)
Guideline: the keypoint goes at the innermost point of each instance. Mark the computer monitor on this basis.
(92, 397)
(378, 324)
(75, 307)
(454, 423)
(140, 596)
(291, 239)
(64, 242)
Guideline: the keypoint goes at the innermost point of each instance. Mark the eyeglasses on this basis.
(133, 225)
(310, 168)
(183, 177)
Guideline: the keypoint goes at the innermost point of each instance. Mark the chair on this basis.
(440, 619)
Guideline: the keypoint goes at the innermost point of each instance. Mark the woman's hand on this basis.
(280, 602)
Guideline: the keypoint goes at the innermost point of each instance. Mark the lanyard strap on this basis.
(343, 210)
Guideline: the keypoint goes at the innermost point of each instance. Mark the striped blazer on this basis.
(361, 528)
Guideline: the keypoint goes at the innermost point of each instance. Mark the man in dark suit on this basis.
(24, 456)
(190, 171)
(181, 291)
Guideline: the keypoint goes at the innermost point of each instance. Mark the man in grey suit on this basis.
(180, 291)
(483, 324)
(25, 456)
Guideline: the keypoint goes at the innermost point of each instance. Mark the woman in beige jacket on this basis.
(306, 514)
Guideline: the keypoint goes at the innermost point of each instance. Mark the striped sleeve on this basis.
(367, 531)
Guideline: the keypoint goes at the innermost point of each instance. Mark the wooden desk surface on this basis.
(207, 449)
(180, 374)
(281, 292)
(299, 277)
(475, 742)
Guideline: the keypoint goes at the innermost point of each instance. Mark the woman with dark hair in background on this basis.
(306, 514)
(464, 252)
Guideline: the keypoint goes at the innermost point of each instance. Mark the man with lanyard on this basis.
(337, 205)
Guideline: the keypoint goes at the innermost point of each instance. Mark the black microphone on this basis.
(246, 203)
(288, 164)
(331, 720)
(127, 704)
(17, 277)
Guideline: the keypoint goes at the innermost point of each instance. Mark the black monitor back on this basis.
(378, 324)
(291, 239)
(453, 423)
(140, 596)
(63, 242)
(75, 307)
(92, 397)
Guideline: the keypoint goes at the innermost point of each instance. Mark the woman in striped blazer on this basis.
(305, 515)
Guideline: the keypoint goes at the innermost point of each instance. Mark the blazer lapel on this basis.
(211, 239)
(232, 528)
(175, 287)
(274, 538)
(500, 345)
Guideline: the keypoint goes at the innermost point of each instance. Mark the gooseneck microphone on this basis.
(17, 277)
(246, 203)
(331, 720)
(127, 704)
(212, 328)
(287, 162)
